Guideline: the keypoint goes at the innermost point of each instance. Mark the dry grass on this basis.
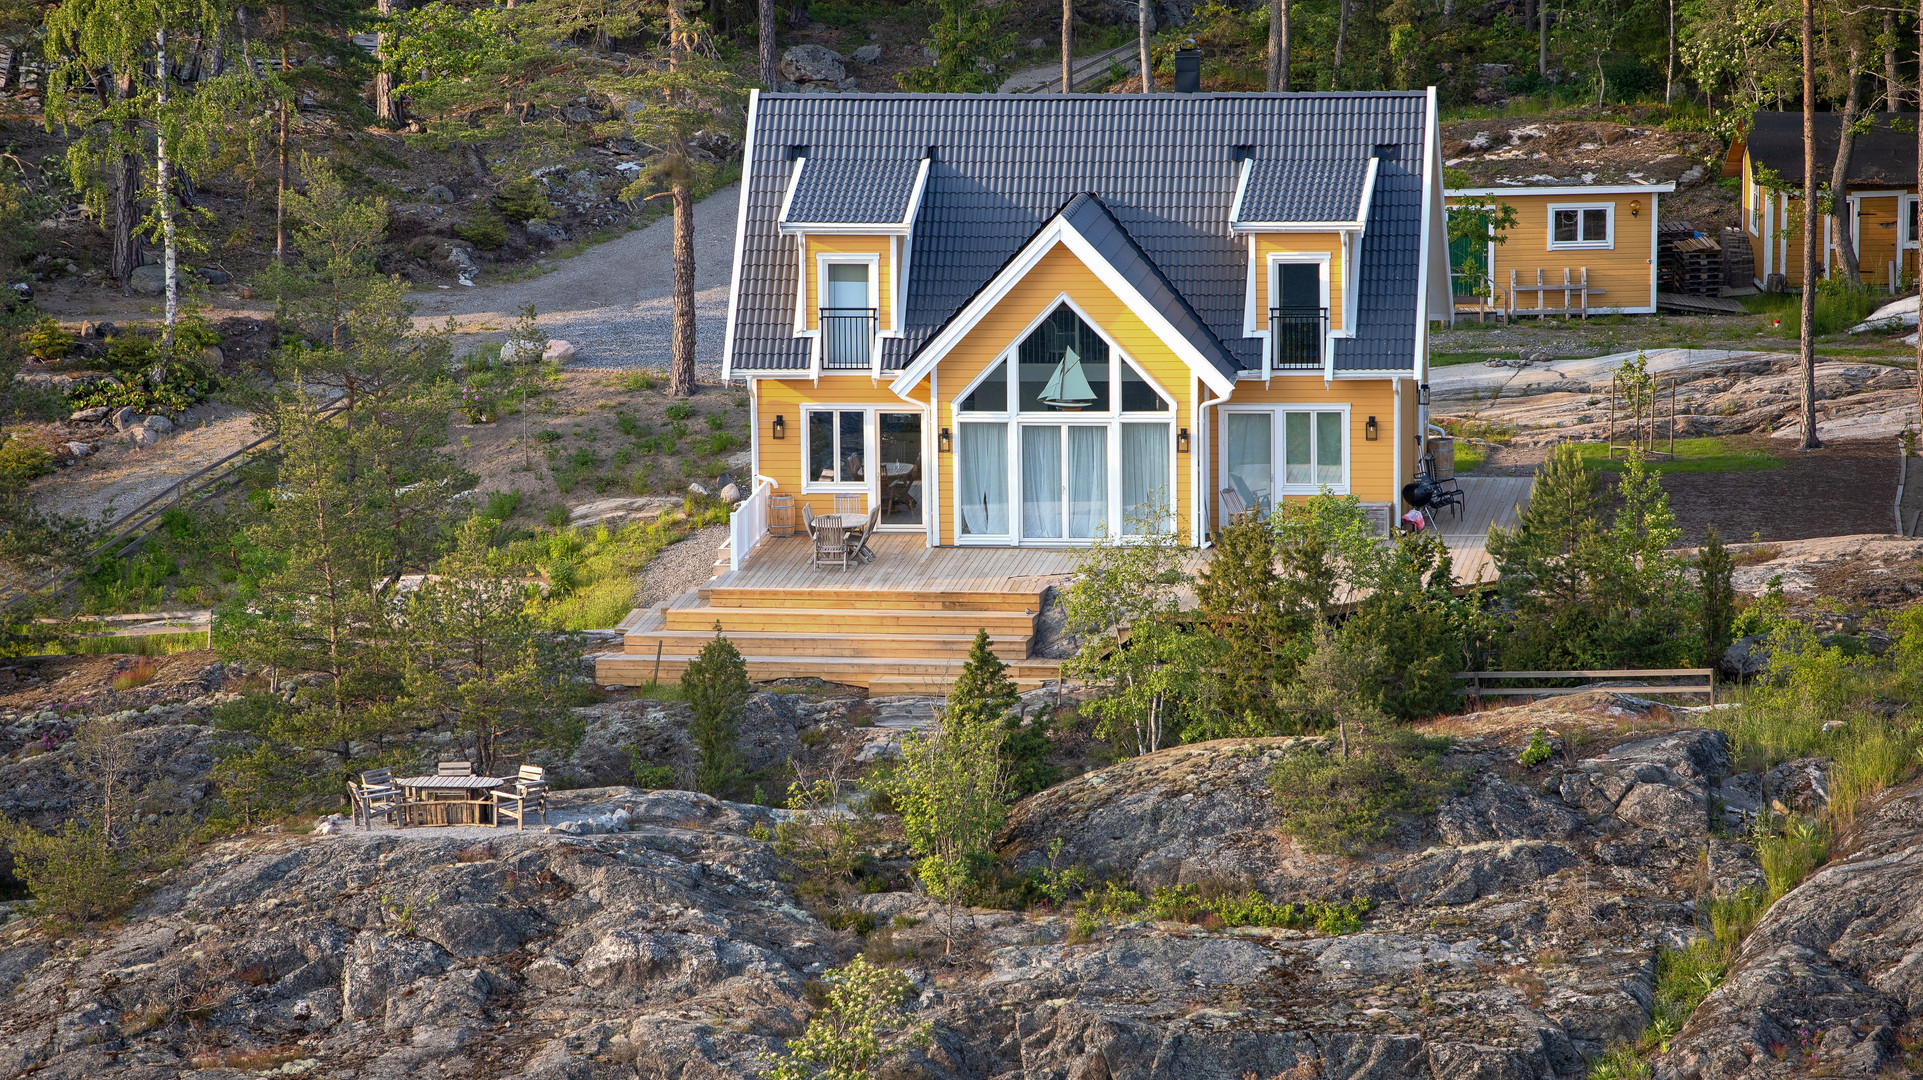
(139, 673)
(247, 1060)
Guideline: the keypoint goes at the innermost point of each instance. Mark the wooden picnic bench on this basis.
(1700, 681)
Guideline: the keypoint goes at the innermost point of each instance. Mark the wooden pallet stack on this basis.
(1693, 266)
(1739, 262)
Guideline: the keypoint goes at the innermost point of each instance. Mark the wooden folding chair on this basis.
(528, 793)
(831, 543)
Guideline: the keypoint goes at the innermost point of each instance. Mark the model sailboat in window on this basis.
(1067, 387)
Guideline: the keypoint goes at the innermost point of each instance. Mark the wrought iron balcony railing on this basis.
(847, 338)
(1296, 336)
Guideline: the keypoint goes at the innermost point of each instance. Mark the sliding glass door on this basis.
(1064, 481)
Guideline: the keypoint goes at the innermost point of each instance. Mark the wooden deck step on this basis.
(847, 620)
(905, 674)
(871, 599)
(687, 643)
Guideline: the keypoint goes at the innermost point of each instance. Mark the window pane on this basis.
(1145, 479)
(991, 395)
(847, 285)
(1298, 286)
(1328, 449)
(821, 445)
(1296, 465)
(1250, 472)
(852, 445)
(1565, 226)
(901, 483)
(1087, 481)
(1137, 394)
(1046, 372)
(983, 484)
(1042, 482)
(1595, 226)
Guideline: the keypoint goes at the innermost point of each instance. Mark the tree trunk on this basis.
(768, 73)
(1278, 46)
(1341, 39)
(1141, 38)
(1919, 254)
(126, 205)
(286, 169)
(163, 202)
(384, 109)
(1542, 38)
(798, 13)
(1892, 93)
(1807, 333)
(681, 374)
(1839, 177)
(1669, 72)
(1068, 46)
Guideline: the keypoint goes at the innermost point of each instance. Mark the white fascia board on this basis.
(1295, 226)
(1368, 195)
(914, 197)
(1435, 239)
(788, 196)
(845, 228)
(1565, 189)
(1058, 231)
(740, 237)
(1241, 190)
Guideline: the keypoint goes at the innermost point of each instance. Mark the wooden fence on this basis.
(1697, 681)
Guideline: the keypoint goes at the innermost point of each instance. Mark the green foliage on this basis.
(520, 201)
(824, 840)
(256, 783)
(48, 341)
(716, 686)
(1242, 605)
(1341, 800)
(148, 379)
(75, 876)
(484, 229)
(1764, 615)
(863, 1023)
(984, 694)
(1057, 883)
(949, 788)
(1537, 752)
(1718, 611)
(21, 463)
(1588, 594)
(1789, 850)
(967, 43)
(648, 775)
(1189, 903)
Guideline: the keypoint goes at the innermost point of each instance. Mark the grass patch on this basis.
(1703, 455)
(1333, 804)
(1837, 309)
(1470, 456)
(590, 573)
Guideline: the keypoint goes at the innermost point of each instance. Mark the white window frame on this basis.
(1273, 264)
(824, 260)
(1755, 208)
(869, 437)
(1903, 212)
(1013, 420)
(1608, 243)
(1277, 436)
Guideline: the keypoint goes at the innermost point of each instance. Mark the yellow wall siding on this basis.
(1876, 247)
(780, 459)
(849, 245)
(1623, 272)
(1060, 272)
(1372, 471)
(1329, 244)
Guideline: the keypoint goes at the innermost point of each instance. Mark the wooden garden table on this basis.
(445, 800)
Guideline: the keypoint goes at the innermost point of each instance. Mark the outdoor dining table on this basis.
(852, 523)
(438, 800)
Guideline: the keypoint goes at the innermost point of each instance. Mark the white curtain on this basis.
(984, 478)
(1042, 483)
(1298, 468)
(1087, 481)
(1145, 479)
(1328, 449)
(1251, 449)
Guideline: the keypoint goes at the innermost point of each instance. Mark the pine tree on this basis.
(715, 686)
(967, 44)
(1242, 601)
(1714, 570)
(984, 693)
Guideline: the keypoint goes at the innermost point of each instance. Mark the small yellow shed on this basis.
(1574, 250)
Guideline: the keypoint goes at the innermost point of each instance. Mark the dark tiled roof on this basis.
(1883, 155)
(1163, 165)
(1304, 190)
(853, 190)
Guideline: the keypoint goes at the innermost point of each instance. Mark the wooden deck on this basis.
(904, 622)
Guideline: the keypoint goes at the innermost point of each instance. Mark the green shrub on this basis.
(520, 200)
(1537, 752)
(48, 341)
(21, 463)
(75, 875)
(1790, 852)
(1187, 903)
(716, 686)
(485, 229)
(501, 505)
(1337, 804)
(555, 517)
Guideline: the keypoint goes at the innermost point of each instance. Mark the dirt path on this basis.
(117, 477)
(1047, 78)
(613, 301)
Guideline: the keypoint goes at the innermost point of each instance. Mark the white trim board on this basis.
(1576, 190)
(740, 237)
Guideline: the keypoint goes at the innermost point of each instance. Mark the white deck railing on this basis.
(748, 525)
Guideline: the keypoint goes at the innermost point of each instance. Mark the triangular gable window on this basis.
(991, 394)
(1063, 366)
(1138, 394)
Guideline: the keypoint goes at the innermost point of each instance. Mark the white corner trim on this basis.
(1431, 224)
(740, 237)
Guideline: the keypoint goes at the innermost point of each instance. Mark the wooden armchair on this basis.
(808, 518)
(862, 549)
(832, 544)
(367, 805)
(528, 793)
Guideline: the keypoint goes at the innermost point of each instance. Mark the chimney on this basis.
(1188, 71)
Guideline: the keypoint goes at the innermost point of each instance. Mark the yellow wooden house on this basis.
(1004, 327)
(1577, 249)
(1881, 195)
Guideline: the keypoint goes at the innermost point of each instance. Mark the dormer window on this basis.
(848, 314)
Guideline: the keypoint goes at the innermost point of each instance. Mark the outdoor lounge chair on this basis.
(368, 805)
(833, 544)
(527, 793)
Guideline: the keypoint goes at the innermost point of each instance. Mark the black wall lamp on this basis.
(781, 427)
(947, 442)
(1370, 430)
(1422, 394)
(1182, 441)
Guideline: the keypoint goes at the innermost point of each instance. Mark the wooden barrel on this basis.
(1442, 451)
(781, 515)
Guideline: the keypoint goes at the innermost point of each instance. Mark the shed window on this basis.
(1580, 226)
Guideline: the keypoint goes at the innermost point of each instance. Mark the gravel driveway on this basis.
(613, 301)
